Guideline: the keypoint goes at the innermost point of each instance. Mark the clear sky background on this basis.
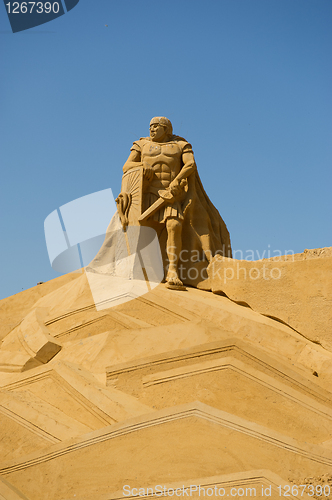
(247, 82)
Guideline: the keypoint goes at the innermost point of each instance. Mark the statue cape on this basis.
(203, 227)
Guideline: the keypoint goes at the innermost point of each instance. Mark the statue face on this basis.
(157, 132)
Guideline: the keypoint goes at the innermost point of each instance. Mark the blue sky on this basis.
(247, 82)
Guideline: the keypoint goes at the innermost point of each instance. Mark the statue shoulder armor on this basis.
(184, 145)
(138, 145)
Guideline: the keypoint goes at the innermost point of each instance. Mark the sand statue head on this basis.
(164, 122)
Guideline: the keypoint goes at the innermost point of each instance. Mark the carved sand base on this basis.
(184, 391)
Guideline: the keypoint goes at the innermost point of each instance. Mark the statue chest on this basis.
(168, 154)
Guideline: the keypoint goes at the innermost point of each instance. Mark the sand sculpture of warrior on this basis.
(174, 203)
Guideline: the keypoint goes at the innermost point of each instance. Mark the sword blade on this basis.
(151, 210)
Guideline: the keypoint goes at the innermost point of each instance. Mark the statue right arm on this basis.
(134, 160)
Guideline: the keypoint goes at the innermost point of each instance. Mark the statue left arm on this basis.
(189, 166)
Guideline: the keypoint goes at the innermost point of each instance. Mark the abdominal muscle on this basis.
(164, 172)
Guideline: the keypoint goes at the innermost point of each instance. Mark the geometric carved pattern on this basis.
(55, 404)
(219, 442)
(117, 375)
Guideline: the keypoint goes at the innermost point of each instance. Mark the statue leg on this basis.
(173, 249)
